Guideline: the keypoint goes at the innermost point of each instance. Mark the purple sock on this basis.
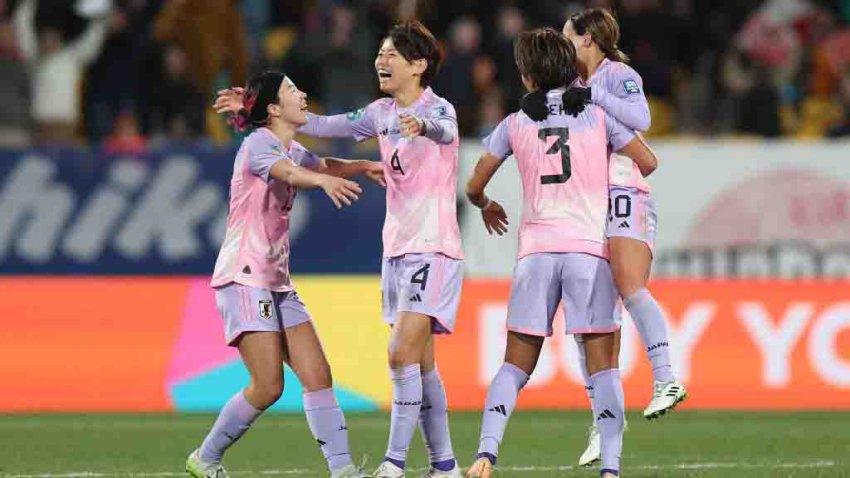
(327, 423)
(234, 419)
(407, 401)
(501, 400)
(588, 385)
(609, 408)
(434, 421)
(652, 327)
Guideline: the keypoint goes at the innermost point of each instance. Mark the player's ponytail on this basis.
(603, 29)
(534, 105)
(261, 92)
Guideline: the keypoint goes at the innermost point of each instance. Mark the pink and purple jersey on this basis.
(618, 89)
(563, 164)
(255, 251)
(421, 172)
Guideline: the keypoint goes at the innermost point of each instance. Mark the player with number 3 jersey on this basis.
(563, 165)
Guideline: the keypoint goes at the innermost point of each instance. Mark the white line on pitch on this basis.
(517, 469)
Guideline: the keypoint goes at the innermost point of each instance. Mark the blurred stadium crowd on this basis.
(139, 73)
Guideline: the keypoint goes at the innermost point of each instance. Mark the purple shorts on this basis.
(582, 281)
(249, 309)
(428, 284)
(631, 213)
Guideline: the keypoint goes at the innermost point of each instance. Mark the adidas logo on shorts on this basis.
(623, 224)
(416, 298)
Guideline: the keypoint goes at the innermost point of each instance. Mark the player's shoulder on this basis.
(439, 106)
(624, 76)
(260, 139)
(298, 148)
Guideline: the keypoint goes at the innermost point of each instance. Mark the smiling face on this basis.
(291, 104)
(396, 73)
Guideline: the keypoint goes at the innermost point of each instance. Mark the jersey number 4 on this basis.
(396, 163)
(559, 146)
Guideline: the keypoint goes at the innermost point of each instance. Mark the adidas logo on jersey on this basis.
(416, 298)
(623, 224)
(499, 409)
(605, 414)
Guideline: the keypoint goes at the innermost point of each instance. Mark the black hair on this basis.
(261, 91)
(415, 42)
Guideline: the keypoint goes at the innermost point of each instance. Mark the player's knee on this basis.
(399, 359)
(318, 378)
(266, 392)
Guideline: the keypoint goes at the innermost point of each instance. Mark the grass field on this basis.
(538, 444)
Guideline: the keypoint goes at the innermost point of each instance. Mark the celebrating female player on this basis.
(618, 89)
(422, 269)
(264, 318)
(563, 165)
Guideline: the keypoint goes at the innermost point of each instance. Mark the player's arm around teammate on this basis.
(263, 315)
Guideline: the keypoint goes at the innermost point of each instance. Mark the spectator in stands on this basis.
(115, 81)
(213, 36)
(126, 138)
(176, 105)
(843, 129)
(454, 81)
(57, 69)
(510, 22)
(14, 91)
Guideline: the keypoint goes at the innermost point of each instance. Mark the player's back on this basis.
(563, 164)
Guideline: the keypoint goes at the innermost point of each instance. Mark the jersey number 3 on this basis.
(559, 146)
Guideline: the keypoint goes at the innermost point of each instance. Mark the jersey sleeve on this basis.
(441, 126)
(624, 98)
(619, 135)
(262, 155)
(359, 124)
(305, 158)
(498, 142)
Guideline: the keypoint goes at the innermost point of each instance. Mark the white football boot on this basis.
(665, 397)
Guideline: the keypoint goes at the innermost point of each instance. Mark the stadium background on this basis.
(114, 175)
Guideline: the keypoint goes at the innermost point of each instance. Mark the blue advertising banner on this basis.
(83, 212)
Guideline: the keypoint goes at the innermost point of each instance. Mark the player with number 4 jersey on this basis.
(563, 165)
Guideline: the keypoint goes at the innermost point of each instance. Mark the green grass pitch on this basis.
(537, 444)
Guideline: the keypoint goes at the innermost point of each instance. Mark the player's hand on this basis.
(495, 219)
(341, 191)
(410, 125)
(575, 100)
(375, 172)
(229, 100)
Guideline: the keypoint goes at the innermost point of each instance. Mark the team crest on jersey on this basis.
(438, 112)
(265, 309)
(631, 87)
(355, 115)
(276, 149)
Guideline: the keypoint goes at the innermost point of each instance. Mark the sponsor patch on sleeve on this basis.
(355, 115)
(631, 87)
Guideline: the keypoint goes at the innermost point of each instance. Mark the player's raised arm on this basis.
(440, 128)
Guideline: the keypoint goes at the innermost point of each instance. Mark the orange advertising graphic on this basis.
(156, 344)
(736, 344)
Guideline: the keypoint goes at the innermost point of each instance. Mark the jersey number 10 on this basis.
(559, 146)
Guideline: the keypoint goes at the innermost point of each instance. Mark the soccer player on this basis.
(422, 270)
(563, 165)
(618, 89)
(263, 316)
